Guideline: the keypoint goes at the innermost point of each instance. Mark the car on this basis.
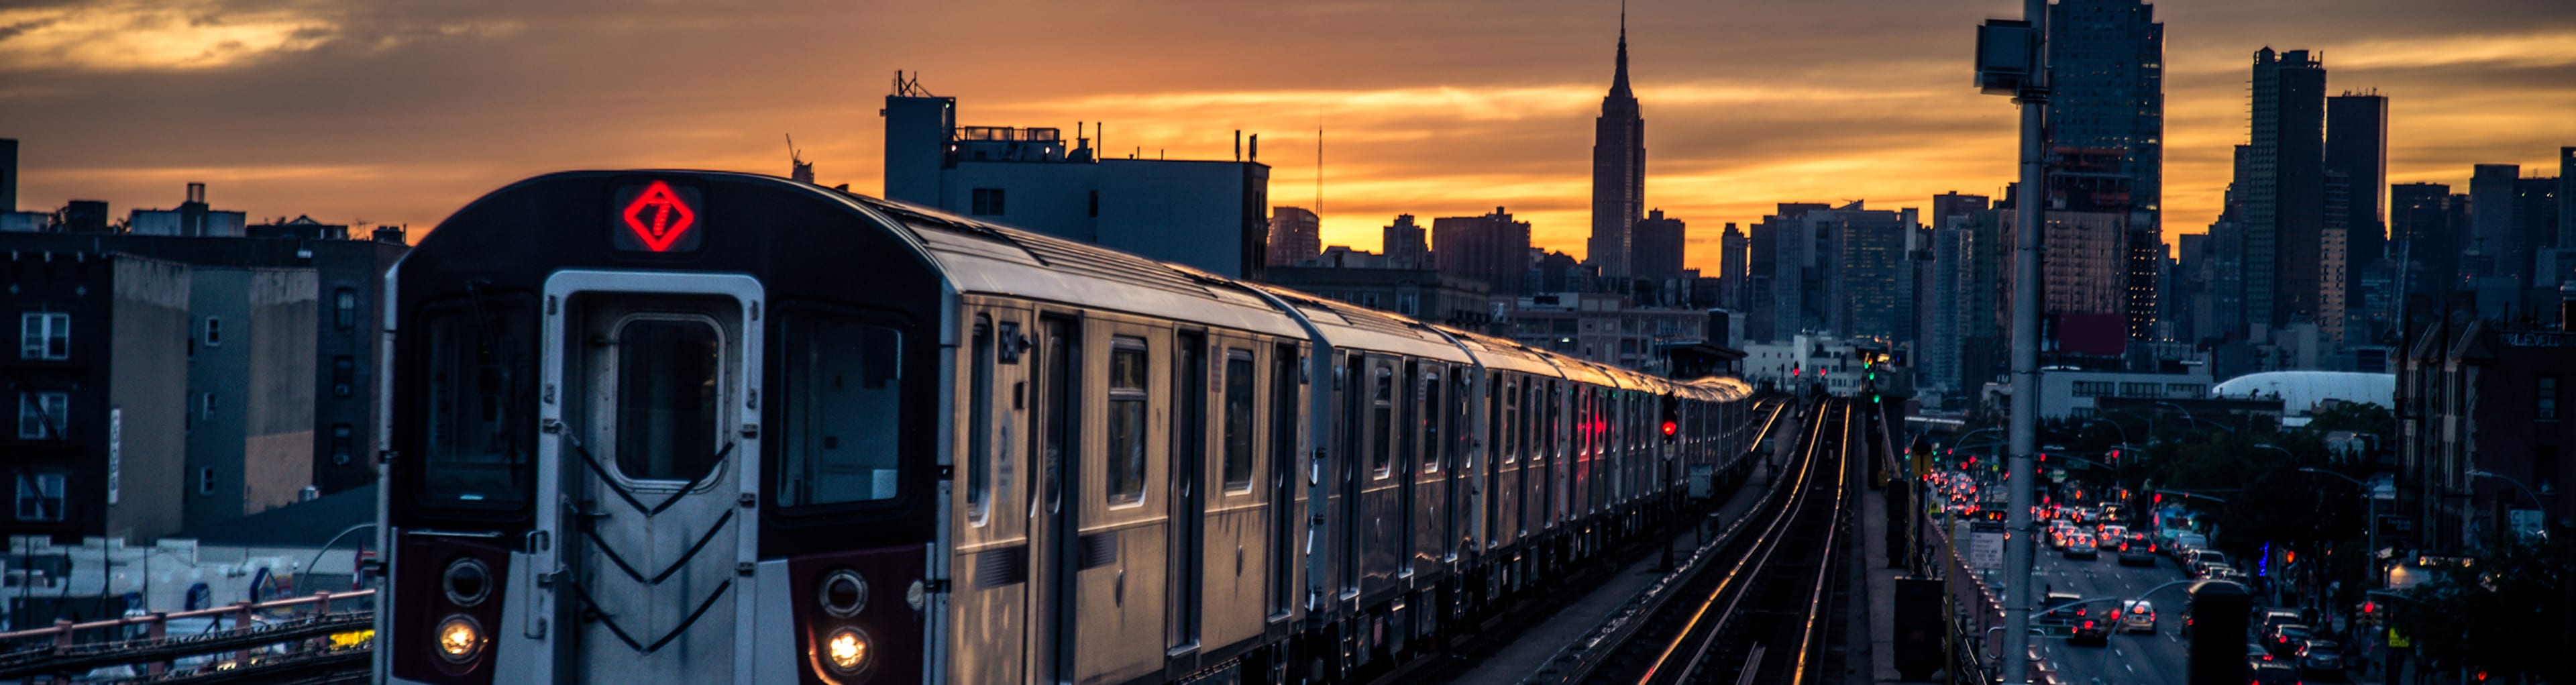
(2112, 531)
(2079, 545)
(2137, 551)
(2273, 673)
(2136, 616)
(2264, 620)
(2200, 561)
(2321, 659)
(2256, 654)
(2183, 543)
(2215, 572)
(2285, 639)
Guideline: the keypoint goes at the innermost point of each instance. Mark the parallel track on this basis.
(1757, 616)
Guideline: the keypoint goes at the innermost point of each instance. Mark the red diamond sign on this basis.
(658, 217)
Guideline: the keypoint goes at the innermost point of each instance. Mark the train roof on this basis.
(986, 258)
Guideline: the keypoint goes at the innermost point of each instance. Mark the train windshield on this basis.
(844, 391)
(482, 438)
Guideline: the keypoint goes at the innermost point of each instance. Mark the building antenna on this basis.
(1319, 170)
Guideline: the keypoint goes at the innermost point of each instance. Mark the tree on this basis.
(2504, 615)
(2358, 417)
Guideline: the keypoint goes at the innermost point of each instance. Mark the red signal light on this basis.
(1671, 428)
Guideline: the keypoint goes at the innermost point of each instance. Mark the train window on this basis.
(670, 372)
(1127, 421)
(1382, 423)
(1529, 415)
(1511, 415)
(843, 411)
(1431, 412)
(481, 375)
(1238, 421)
(979, 425)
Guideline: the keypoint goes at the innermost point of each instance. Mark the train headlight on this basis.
(843, 593)
(460, 639)
(467, 581)
(845, 651)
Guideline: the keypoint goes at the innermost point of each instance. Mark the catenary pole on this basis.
(2023, 431)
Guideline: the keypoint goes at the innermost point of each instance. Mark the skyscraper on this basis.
(1492, 248)
(1952, 204)
(2567, 197)
(2357, 146)
(1655, 247)
(2535, 216)
(1733, 262)
(1405, 240)
(1295, 235)
(2420, 234)
(1618, 170)
(2491, 224)
(2285, 203)
(2106, 81)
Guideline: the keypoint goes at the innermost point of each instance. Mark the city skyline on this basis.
(1805, 104)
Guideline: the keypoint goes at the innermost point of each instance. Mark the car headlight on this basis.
(843, 593)
(467, 581)
(845, 651)
(460, 639)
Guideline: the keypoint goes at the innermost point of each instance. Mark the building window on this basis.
(214, 331)
(2185, 390)
(345, 308)
(206, 480)
(206, 405)
(40, 496)
(44, 415)
(45, 335)
(344, 374)
(2093, 388)
(2137, 389)
(2544, 403)
(341, 443)
(987, 202)
(1095, 204)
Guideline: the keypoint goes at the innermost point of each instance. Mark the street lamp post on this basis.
(2370, 502)
(2536, 503)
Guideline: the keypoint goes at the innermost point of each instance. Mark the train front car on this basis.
(661, 427)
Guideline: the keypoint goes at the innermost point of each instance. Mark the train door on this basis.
(1354, 389)
(1407, 469)
(1187, 557)
(1054, 520)
(1282, 469)
(649, 385)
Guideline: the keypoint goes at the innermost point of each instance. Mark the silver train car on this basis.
(678, 426)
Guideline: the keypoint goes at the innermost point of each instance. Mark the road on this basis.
(2161, 658)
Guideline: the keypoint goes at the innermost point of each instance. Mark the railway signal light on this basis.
(1672, 418)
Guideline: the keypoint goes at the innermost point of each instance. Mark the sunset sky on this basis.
(401, 111)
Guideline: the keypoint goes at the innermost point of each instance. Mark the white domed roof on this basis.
(2300, 391)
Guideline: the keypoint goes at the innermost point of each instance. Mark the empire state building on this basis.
(1618, 171)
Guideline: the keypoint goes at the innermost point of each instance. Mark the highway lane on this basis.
(2160, 658)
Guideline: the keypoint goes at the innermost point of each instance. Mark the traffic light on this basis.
(1672, 418)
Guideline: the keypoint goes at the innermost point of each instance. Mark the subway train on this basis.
(681, 426)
